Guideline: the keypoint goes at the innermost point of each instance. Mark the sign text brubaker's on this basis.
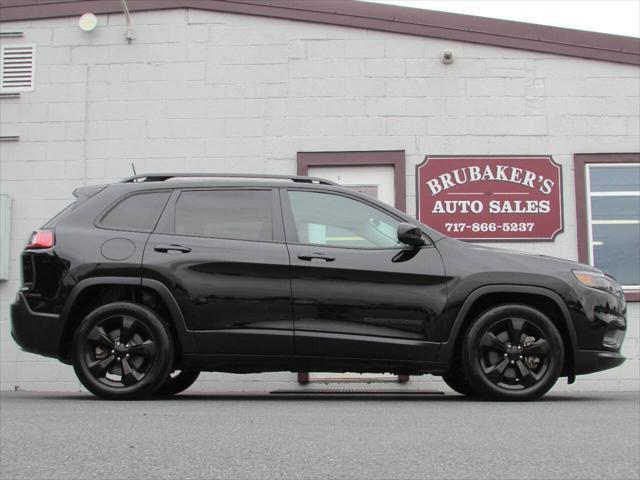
(491, 198)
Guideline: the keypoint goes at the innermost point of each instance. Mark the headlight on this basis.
(598, 281)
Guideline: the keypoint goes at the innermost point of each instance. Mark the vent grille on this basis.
(17, 66)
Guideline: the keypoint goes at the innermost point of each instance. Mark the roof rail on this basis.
(161, 177)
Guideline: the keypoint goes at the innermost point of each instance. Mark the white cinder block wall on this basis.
(205, 91)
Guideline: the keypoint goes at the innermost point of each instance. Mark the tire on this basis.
(458, 382)
(122, 351)
(495, 349)
(177, 382)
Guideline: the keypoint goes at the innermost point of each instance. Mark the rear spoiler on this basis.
(84, 193)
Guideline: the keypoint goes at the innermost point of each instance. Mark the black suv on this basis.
(142, 284)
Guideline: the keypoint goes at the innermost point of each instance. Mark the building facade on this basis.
(374, 96)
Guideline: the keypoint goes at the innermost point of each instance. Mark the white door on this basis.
(375, 181)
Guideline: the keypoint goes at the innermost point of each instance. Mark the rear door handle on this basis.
(171, 249)
(316, 258)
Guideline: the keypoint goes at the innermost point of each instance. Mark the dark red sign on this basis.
(491, 198)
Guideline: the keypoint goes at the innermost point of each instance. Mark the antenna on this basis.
(134, 168)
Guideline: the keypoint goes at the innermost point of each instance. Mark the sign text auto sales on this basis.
(491, 198)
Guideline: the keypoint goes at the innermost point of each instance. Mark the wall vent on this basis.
(17, 65)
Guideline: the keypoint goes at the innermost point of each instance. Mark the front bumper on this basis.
(35, 332)
(590, 361)
(601, 328)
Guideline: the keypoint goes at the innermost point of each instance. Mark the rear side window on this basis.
(231, 214)
(137, 212)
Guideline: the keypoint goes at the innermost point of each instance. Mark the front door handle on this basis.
(171, 249)
(316, 258)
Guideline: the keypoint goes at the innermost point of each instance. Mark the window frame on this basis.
(291, 232)
(166, 224)
(582, 165)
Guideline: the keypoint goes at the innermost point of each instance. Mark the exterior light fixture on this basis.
(88, 22)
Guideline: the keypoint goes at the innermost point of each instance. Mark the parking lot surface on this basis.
(262, 436)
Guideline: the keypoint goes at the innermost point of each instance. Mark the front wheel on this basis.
(512, 352)
(178, 381)
(122, 351)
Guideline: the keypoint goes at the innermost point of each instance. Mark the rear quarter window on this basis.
(138, 212)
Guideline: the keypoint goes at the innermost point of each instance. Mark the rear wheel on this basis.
(122, 351)
(178, 381)
(458, 382)
(512, 352)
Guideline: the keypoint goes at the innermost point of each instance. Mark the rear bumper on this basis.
(35, 332)
(590, 361)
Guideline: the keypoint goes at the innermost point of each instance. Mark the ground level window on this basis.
(609, 236)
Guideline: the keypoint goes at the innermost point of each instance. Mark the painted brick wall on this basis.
(202, 91)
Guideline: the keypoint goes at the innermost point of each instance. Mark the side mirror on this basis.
(410, 235)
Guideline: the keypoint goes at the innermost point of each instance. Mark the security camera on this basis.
(447, 56)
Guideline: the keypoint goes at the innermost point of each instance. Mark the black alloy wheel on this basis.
(513, 352)
(178, 381)
(122, 351)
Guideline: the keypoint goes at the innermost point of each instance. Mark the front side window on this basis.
(228, 214)
(137, 212)
(334, 220)
(613, 200)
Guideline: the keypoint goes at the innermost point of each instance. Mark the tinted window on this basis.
(233, 214)
(334, 220)
(137, 212)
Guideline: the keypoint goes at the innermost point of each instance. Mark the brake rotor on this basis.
(531, 361)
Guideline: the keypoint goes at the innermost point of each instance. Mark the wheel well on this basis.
(96, 295)
(545, 304)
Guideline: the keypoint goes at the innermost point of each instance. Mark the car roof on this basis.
(160, 177)
(207, 183)
(207, 180)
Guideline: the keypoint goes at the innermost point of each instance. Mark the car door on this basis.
(221, 252)
(356, 291)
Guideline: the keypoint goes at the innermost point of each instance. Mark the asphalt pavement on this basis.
(261, 436)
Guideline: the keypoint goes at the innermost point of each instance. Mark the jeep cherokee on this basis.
(143, 284)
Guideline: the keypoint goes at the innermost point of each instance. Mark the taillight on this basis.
(41, 239)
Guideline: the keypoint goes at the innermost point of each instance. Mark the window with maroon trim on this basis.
(608, 213)
(393, 158)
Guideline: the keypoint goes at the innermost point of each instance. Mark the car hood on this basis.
(535, 257)
(471, 258)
